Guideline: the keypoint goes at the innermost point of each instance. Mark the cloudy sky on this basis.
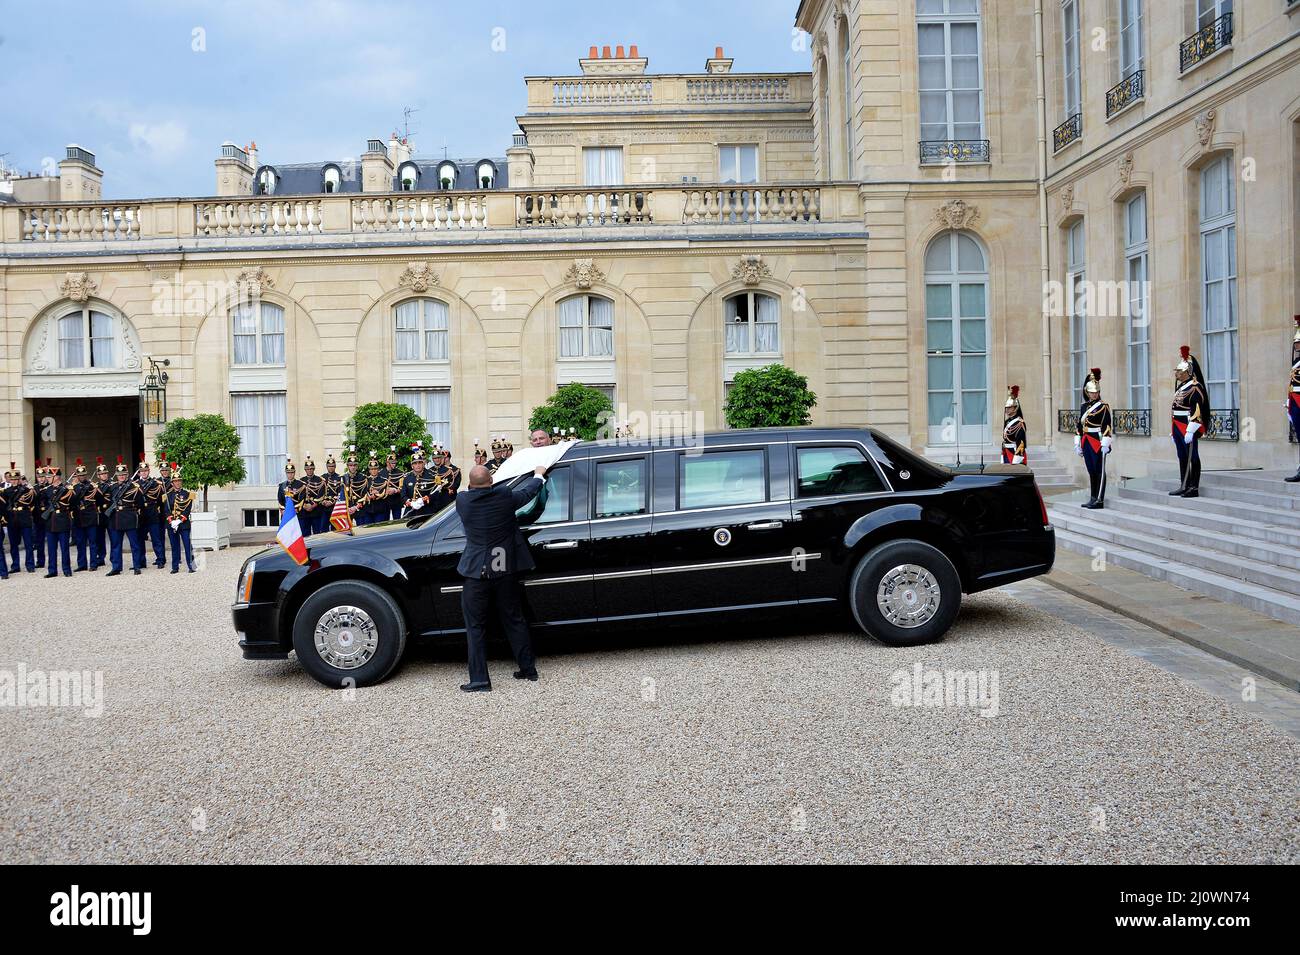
(154, 88)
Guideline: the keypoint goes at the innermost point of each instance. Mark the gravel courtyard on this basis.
(675, 748)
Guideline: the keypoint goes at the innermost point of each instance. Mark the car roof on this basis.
(715, 439)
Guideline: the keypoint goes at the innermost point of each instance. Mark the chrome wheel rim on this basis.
(346, 637)
(908, 596)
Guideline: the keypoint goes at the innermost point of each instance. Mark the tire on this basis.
(365, 619)
(917, 572)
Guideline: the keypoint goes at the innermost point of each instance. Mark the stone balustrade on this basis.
(305, 217)
(668, 91)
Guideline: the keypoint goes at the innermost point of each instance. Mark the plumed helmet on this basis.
(1092, 386)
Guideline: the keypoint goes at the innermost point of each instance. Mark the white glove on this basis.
(1187, 438)
(1078, 447)
(175, 525)
(1017, 459)
(1192, 428)
(416, 503)
(1105, 445)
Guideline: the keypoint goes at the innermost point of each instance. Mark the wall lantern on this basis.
(153, 394)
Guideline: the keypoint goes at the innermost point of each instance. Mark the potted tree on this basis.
(207, 449)
(585, 410)
(773, 396)
(381, 425)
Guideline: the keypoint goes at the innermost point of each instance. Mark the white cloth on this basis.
(527, 459)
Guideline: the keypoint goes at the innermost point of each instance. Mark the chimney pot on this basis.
(604, 52)
(632, 52)
(717, 53)
(593, 53)
(619, 52)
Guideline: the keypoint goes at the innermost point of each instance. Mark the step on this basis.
(1227, 543)
(1210, 505)
(1279, 500)
(1227, 565)
(1269, 482)
(1209, 523)
(1226, 589)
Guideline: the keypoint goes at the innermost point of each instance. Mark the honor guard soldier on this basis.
(355, 487)
(498, 453)
(38, 527)
(309, 501)
(480, 456)
(1191, 413)
(22, 519)
(391, 474)
(151, 510)
(1293, 393)
(1094, 438)
(4, 524)
(86, 518)
(446, 477)
(124, 521)
(1014, 432)
(290, 487)
(59, 513)
(180, 504)
(333, 485)
(375, 502)
(105, 485)
(417, 486)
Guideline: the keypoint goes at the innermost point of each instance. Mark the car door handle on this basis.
(560, 545)
(765, 526)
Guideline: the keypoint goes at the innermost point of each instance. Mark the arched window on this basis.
(258, 329)
(586, 327)
(1218, 228)
(408, 177)
(846, 80)
(486, 174)
(753, 323)
(266, 181)
(1076, 290)
(956, 340)
(447, 174)
(331, 179)
(1137, 274)
(824, 80)
(86, 338)
(420, 330)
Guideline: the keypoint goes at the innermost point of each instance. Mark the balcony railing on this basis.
(1067, 132)
(1127, 92)
(954, 150)
(1129, 421)
(458, 211)
(665, 91)
(1067, 422)
(1205, 42)
(1224, 425)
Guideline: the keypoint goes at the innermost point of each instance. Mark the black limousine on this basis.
(736, 524)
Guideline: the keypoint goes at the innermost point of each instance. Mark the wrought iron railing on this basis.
(1135, 421)
(1067, 422)
(1127, 92)
(954, 150)
(1067, 132)
(1224, 425)
(1206, 41)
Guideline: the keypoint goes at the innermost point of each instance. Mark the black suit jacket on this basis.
(494, 546)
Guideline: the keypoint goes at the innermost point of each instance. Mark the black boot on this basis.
(1293, 479)
(1179, 492)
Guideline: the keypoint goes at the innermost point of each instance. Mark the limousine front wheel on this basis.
(905, 592)
(349, 633)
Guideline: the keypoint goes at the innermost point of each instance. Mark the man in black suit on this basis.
(495, 554)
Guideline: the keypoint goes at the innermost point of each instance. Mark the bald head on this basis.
(479, 476)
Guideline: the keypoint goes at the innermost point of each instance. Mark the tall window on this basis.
(1130, 40)
(951, 84)
(1076, 286)
(956, 339)
(1207, 11)
(603, 165)
(431, 404)
(1070, 60)
(263, 436)
(1219, 282)
(846, 79)
(825, 131)
(738, 164)
(420, 330)
(1139, 319)
(259, 333)
(586, 327)
(408, 177)
(753, 324)
(86, 340)
(331, 179)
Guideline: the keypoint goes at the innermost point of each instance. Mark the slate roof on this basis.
(299, 179)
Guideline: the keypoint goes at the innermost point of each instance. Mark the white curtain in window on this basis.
(71, 345)
(767, 327)
(272, 334)
(602, 327)
(245, 325)
(435, 330)
(603, 165)
(737, 328)
(571, 327)
(247, 422)
(101, 340)
(275, 435)
(407, 342)
(437, 414)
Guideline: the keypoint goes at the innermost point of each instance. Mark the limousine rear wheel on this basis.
(349, 633)
(905, 592)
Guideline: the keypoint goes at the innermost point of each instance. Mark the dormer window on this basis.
(331, 179)
(486, 173)
(266, 181)
(447, 173)
(408, 177)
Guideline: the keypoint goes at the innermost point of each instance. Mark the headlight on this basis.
(244, 591)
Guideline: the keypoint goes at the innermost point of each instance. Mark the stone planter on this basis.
(209, 530)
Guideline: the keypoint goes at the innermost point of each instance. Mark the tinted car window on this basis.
(620, 487)
(551, 505)
(841, 470)
(722, 478)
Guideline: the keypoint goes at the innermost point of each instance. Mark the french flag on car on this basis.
(290, 533)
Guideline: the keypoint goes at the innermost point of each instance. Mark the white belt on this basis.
(1296, 390)
(1009, 447)
(1093, 430)
(1181, 414)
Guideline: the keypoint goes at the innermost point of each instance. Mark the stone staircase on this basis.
(1239, 542)
(1050, 474)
